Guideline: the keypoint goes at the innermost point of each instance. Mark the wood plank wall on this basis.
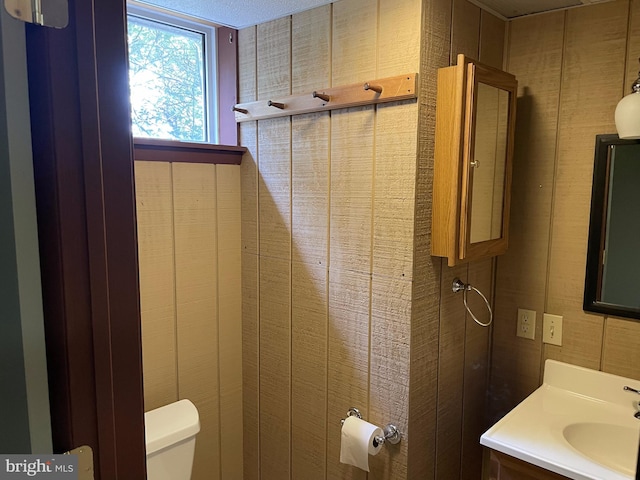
(341, 298)
(463, 360)
(572, 67)
(190, 284)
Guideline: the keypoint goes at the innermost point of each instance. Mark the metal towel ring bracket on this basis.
(465, 287)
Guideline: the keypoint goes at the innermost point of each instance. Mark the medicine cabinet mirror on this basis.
(612, 282)
(475, 120)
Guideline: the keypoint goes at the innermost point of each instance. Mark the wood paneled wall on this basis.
(190, 295)
(572, 67)
(341, 298)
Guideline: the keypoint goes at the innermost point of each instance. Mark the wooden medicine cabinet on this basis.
(475, 119)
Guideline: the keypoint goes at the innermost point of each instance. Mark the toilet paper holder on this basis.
(391, 432)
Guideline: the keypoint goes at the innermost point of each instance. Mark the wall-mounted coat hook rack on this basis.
(240, 110)
(392, 89)
(323, 96)
(375, 88)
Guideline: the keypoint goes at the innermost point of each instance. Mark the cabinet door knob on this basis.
(475, 164)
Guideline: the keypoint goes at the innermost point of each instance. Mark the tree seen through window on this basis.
(167, 81)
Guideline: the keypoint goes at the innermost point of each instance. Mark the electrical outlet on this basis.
(552, 329)
(526, 327)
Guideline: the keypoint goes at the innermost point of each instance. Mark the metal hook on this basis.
(323, 96)
(276, 104)
(241, 110)
(375, 88)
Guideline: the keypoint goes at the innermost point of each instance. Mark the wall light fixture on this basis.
(628, 113)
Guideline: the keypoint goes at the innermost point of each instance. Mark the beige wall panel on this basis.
(398, 37)
(492, 39)
(389, 380)
(230, 318)
(275, 367)
(450, 375)
(632, 52)
(274, 58)
(154, 206)
(194, 194)
(250, 348)
(595, 42)
(249, 187)
(311, 50)
(435, 51)
(309, 371)
(535, 58)
(394, 189)
(621, 355)
(348, 361)
(476, 370)
(250, 368)
(274, 190)
(310, 188)
(465, 26)
(247, 66)
(354, 42)
(351, 188)
(247, 91)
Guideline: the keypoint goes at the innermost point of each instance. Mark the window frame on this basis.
(211, 73)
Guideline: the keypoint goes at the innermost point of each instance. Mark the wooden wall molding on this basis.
(154, 150)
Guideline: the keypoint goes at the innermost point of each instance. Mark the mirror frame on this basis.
(599, 190)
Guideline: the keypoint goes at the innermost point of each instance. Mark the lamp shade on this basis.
(628, 116)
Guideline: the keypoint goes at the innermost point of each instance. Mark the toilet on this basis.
(170, 436)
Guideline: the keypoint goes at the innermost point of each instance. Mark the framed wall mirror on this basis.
(612, 283)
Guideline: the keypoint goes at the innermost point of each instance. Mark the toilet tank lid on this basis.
(170, 424)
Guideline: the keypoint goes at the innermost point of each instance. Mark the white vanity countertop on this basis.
(580, 423)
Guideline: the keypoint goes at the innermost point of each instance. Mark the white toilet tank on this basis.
(170, 435)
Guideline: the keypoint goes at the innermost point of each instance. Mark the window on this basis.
(171, 78)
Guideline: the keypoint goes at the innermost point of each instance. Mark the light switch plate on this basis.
(526, 326)
(552, 329)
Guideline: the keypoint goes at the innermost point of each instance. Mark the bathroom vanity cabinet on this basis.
(504, 467)
(475, 120)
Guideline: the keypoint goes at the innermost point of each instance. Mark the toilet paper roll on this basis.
(357, 442)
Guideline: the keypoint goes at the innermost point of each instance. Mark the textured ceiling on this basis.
(518, 8)
(237, 13)
(245, 13)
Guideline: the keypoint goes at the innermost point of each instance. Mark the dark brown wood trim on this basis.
(86, 213)
(172, 151)
(227, 44)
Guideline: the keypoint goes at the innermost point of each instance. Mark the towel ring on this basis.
(465, 287)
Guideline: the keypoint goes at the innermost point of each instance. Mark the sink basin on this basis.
(613, 446)
(579, 424)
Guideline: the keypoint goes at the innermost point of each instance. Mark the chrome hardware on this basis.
(391, 433)
(353, 412)
(475, 164)
(629, 389)
(467, 287)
